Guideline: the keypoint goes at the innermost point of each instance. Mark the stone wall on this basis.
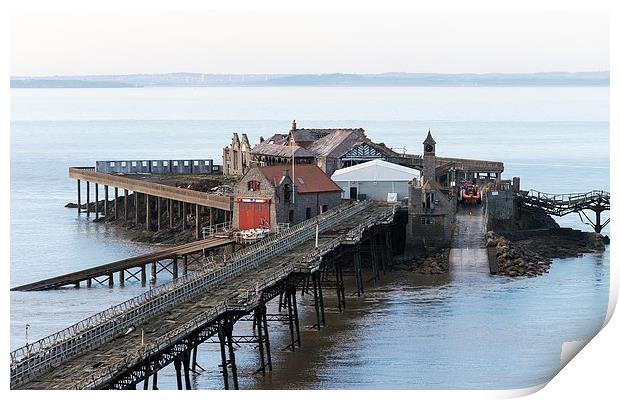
(267, 191)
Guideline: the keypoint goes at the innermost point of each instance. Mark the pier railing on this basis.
(102, 327)
(568, 199)
(252, 299)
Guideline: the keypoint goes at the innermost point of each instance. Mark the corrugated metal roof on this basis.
(308, 178)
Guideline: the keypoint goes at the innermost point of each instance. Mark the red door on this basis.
(253, 213)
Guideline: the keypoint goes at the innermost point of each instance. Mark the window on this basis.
(253, 186)
(308, 212)
(429, 199)
(123, 163)
(287, 192)
(207, 162)
(112, 164)
(216, 167)
(133, 163)
(175, 163)
(186, 163)
(165, 163)
(426, 221)
(323, 208)
(195, 163)
(154, 163)
(291, 216)
(145, 163)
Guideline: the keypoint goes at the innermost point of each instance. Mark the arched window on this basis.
(253, 186)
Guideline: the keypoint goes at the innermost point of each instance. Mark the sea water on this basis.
(464, 330)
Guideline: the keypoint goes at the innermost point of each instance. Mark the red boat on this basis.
(471, 194)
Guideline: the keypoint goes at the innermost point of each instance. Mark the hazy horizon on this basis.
(308, 42)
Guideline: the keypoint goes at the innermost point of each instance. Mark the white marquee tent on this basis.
(373, 180)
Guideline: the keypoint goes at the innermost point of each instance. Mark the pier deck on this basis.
(115, 352)
(105, 270)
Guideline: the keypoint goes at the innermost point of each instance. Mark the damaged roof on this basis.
(279, 150)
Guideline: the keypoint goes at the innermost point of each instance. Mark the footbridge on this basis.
(130, 342)
(559, 205)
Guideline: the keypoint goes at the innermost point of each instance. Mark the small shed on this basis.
(373, 180)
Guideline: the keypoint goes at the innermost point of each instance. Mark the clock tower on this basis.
(428, 160)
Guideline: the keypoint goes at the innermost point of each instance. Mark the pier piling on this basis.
(79, 198)
(87, 199)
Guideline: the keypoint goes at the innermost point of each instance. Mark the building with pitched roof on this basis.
(329, 149)
(269, 195)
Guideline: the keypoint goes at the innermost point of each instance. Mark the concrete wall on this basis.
(157, 167)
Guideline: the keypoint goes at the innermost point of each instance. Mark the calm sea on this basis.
(468, 330)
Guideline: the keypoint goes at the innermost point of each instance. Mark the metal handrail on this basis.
(253, 297)
(109, 323)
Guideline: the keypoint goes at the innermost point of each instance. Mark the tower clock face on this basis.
(428, 148)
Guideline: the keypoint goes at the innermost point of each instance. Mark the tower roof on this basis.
(429, 139)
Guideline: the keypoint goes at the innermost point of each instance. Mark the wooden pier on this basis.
(129, 343)
(151, 201)
(134, 268)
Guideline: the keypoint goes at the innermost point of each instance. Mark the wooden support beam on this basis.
(175, 268)
(115, 203)
(126, 206)
(135, 204)
(197, 221)
(87, 199)
(121, 277)
(170, 213)
(158, 213)
(105, 200)
(147, 219)
(96, 201)
(184, 216)
(154, 271)
(79, 198)
(143, 275)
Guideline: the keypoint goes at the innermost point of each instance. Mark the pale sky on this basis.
(309, 42)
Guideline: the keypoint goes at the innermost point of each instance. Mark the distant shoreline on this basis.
(548, 79)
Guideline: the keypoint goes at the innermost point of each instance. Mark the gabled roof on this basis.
(376, 170)
(310, 135)
(379, 147)
(278, 150)
(308, 178)
(336, 143)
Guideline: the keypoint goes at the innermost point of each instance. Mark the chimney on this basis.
(294, 125)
